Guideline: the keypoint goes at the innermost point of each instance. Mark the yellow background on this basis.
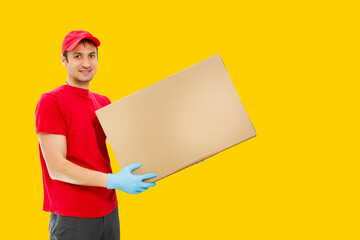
(295, 66)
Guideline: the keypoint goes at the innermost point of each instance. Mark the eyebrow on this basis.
(82, 53)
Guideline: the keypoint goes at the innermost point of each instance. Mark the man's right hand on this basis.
(128, 182)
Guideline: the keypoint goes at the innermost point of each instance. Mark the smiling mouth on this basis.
(85, 71)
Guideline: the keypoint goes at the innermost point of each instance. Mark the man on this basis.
(79, 187)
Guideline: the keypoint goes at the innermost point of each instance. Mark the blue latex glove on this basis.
(128, 182)
(201, 161)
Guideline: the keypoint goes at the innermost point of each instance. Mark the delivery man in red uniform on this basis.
(79, 187)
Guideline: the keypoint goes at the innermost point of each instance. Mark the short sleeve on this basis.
(48, 117)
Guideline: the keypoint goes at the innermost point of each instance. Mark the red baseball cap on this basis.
(72, 39)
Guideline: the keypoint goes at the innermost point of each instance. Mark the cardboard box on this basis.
(177, 122)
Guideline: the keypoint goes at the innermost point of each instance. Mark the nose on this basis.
(86, 63)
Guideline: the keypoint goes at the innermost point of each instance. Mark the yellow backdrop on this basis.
(295, 66)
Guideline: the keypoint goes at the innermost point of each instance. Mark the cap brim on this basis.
(74, 44)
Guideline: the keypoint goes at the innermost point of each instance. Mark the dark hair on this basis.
(83, 41)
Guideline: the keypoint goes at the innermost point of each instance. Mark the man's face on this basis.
(82, 63)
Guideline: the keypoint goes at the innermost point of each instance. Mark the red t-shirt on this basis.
(70, 111)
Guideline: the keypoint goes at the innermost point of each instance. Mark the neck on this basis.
(84, 85)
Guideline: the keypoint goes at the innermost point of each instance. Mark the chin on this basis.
(88, 79)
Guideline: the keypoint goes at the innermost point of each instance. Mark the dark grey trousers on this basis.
(73, 228)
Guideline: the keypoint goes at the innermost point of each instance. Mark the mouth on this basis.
(85, 72)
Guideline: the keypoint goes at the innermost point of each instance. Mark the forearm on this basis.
(69, 172)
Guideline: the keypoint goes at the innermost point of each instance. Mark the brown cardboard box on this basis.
(178, 121)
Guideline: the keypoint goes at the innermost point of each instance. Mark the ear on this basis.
(63, 60)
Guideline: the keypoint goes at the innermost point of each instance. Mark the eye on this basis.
(92, 55)
(77, 56)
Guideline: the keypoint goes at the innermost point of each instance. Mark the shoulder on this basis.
(48, 105)
(47, 102)
(48, 98)
(101, 98)
(52, 94)
(52, 98)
